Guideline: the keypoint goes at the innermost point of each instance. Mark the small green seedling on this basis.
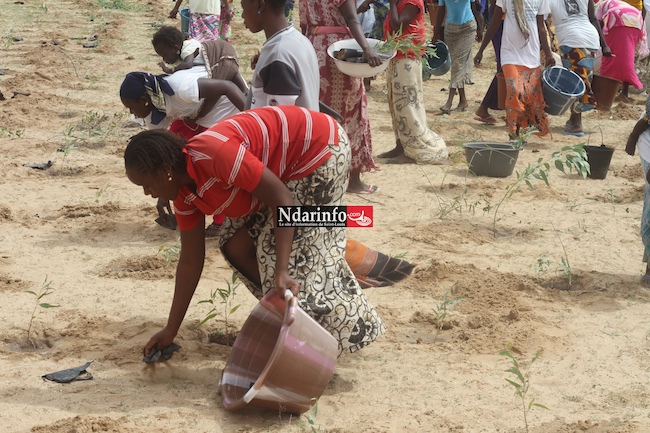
(310, 416)
(543, 264)
(521, 384)
(565, 266)
(443, 309)
(171, 253)
(222, 303)
(45, 290)
(101, 192)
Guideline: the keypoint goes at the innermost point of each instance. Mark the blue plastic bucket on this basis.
(561, 88)
(185, 21)
(439, 64)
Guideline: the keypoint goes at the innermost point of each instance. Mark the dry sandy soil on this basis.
(83, 229)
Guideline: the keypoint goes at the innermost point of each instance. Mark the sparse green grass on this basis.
(11, 133)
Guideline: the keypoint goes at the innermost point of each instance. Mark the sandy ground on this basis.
(83, 229)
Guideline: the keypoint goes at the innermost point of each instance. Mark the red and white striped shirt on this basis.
(227, 160)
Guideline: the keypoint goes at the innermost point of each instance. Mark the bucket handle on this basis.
(291, 306)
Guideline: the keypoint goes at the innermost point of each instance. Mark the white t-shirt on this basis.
(185, 102)
(572, 25)
(205, 7)
(514, 48)
(643, 143)
(286, 72)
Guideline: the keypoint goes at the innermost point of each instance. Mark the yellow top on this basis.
(635, 3)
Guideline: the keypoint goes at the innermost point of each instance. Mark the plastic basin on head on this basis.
(360, 70)
(561, 88)
(282, 359)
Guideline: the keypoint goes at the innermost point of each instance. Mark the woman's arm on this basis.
(440, 18)
(273, 192)
(495, 22)
(212, 89)
(591, 11)
(543, 41)
(349, 12)
(640, 127)
(174, 11)
(401, 21)
(188, 62)
(188, 273)
(478, 17)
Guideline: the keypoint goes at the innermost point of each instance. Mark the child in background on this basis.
(205, 19)
(227, 13)
(180, 54)
(640, 137)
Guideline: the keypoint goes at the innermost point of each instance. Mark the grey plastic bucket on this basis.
(439, 64)
(491, 159)
(561, 88)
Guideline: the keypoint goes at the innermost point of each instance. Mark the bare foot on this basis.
(396, 151)
(357, 186)
(461, 108)
(402, 159)
(446, 109)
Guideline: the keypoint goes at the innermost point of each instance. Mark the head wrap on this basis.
(137, 84)
(520, 16)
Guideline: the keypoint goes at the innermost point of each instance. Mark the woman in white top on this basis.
(187, 103)
(524, 34)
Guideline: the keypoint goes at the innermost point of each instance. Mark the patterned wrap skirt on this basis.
(581, 61)
(329, 291)
(407, 110)
(524, 99)
(459, 38)
(204, 27)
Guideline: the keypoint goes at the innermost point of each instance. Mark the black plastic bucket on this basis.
(599, 158)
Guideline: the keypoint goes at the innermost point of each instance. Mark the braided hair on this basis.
(168, 36)
(153, 150)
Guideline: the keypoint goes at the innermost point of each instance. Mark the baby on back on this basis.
(218, 57)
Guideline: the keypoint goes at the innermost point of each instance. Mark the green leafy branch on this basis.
(567, 160)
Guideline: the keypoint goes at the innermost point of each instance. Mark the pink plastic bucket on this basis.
(282, 359)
